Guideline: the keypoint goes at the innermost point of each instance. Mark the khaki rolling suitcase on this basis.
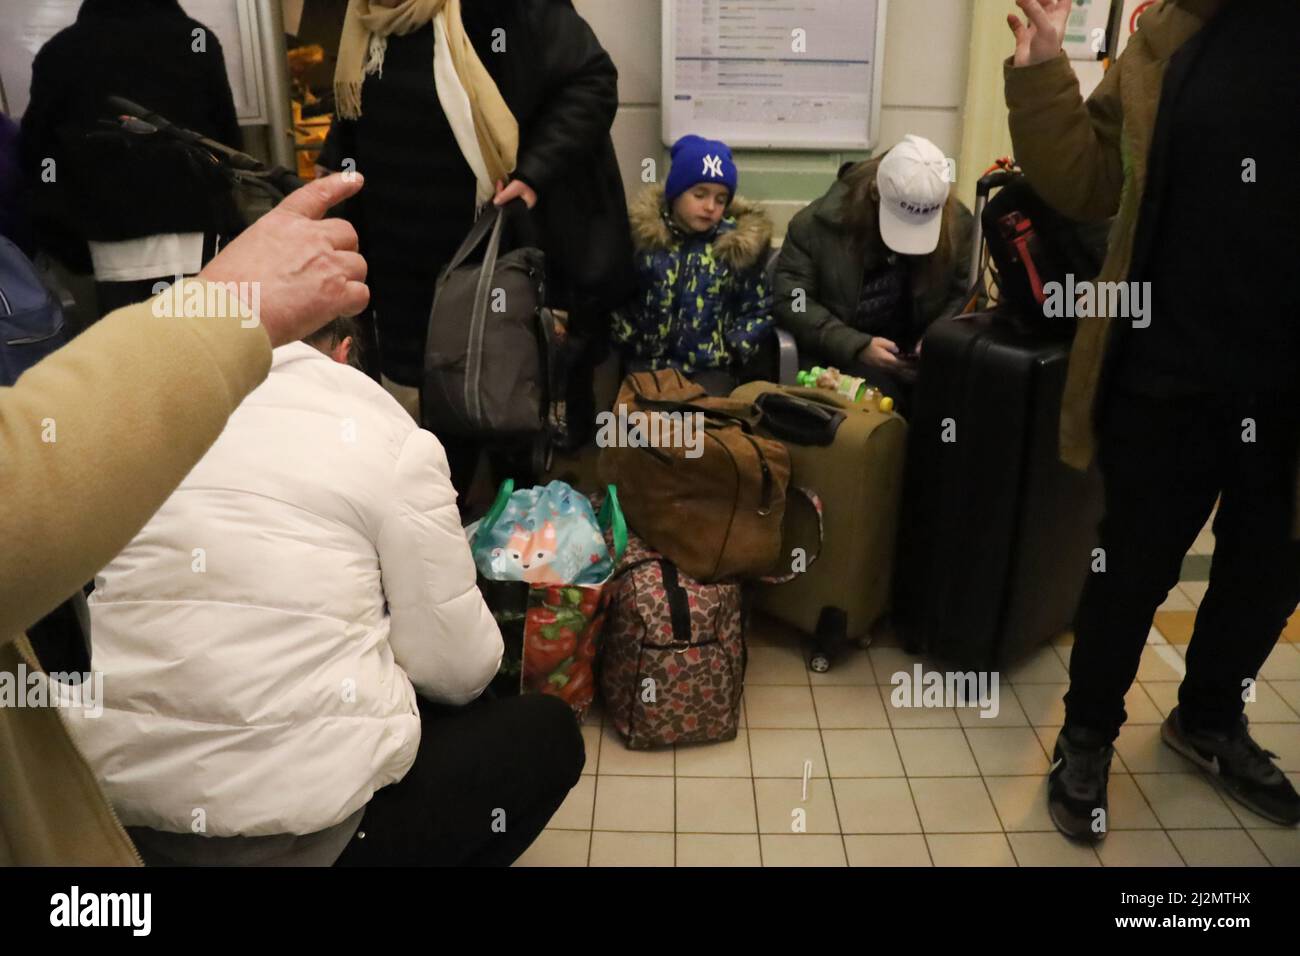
(858, 478)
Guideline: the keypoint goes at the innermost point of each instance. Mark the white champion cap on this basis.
(913, 183)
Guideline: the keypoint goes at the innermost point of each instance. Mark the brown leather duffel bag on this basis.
(696, 483)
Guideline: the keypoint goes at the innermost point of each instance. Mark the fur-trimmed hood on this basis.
(743, 237)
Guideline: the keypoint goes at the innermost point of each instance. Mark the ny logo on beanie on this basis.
(700, 160)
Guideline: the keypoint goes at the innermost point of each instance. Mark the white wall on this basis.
(926, 48)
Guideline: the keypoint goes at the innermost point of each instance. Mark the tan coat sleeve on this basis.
(95, 437)
(1069, 149)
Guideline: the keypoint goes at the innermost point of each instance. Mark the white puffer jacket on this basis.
(251, 668)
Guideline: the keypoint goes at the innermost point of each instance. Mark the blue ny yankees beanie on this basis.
(700, 160)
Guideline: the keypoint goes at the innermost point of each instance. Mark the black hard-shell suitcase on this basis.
(996, 532)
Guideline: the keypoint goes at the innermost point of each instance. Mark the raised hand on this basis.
(1041, 38)
(307, 268)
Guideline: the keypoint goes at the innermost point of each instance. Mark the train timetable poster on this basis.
(774, 74)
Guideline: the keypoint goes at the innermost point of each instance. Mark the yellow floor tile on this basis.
(862, 753)
(557, 848)
(1138, 848)
(718, 849)
(1282, 847)
(631, 849)
(591, 743)
(1292, 630)
(936, 753)
(1164, 694)
(1217, 848)
(782, 664)
(1043, 666)
(1044, 704)
(970, 849)
(1140, 707)
(1021, 802)
(618, 759)
(785, 708)
(1145, 752)
(715, 805)
(1050, 849)
(729, 758)
(905, 849)
(1129, 809)
(1269, 707)
(876, 806)
(1161, 662)
(1005, 702)
(778, 801)
(782, 753)
(1288, 690)
(575, 812)
(1283, 663)
(918, 718)
(955, 805)
(634, 804)
(803, 850)
(1176, 626)
(849, 707)
(1185, 801)
(1007, 751)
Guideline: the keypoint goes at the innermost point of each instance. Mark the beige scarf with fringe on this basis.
(366, 29)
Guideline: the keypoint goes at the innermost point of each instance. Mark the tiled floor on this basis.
(924, 787)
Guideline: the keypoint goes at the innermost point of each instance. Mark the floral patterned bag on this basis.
(672, 669)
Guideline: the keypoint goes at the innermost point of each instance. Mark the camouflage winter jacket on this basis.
(703, 300)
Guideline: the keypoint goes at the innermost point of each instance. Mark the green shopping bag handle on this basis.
(611, 516)
(494, 513)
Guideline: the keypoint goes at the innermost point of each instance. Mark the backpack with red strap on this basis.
(1032, 245)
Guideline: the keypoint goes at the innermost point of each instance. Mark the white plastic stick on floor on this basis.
(807, 772)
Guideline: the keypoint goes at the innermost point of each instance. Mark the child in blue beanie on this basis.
(702, 304)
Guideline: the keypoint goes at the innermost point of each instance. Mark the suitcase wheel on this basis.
(829, 638)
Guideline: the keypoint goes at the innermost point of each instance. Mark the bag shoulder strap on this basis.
(812, 498)
(490, 223)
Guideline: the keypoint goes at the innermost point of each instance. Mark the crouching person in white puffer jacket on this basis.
(289, 645)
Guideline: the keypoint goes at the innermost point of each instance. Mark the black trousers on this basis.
(486, 779)
(111, 296)
(1164, 462)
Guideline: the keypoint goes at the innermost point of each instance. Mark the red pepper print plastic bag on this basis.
(552, 631)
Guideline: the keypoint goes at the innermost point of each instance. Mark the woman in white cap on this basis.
(870, 265)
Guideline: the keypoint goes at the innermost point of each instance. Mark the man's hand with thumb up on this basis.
(306, 267)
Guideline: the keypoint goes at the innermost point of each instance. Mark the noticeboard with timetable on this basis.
(774, 74)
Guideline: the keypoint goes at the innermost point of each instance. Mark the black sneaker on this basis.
(1244, 768)
(1076, 785)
